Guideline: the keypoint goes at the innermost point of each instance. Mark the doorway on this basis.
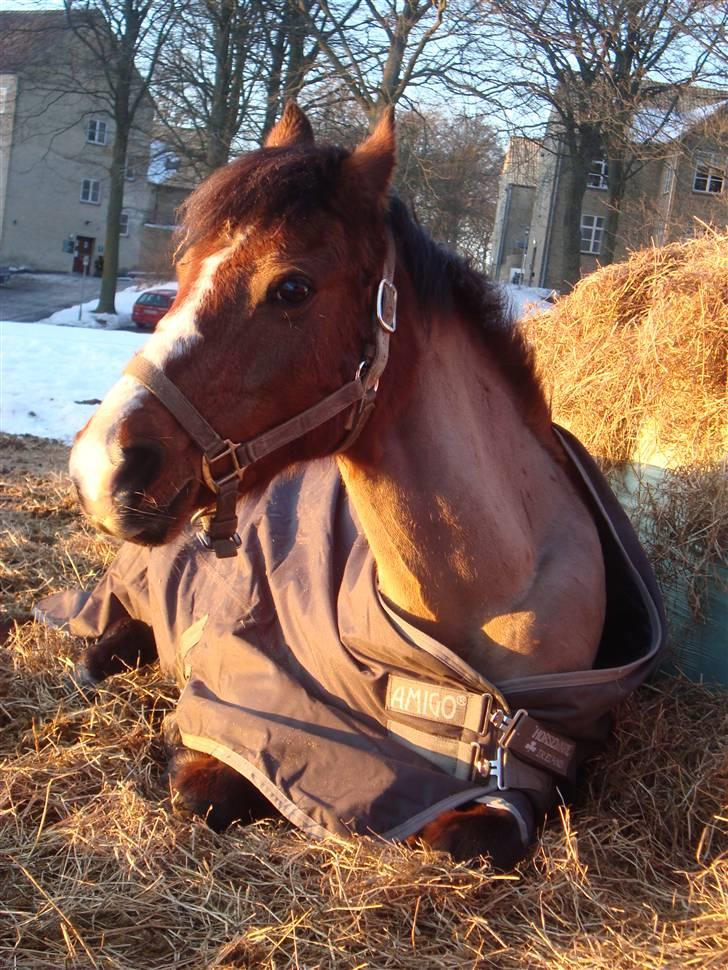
(82, 253)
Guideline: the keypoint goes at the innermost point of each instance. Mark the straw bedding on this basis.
(99, 869)
(635, 362)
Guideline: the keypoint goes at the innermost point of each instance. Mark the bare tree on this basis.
(123, 40)
(383, 52)
(448, 170)
(204, 87)
(226, 72)
(292, 50)
(593, 66)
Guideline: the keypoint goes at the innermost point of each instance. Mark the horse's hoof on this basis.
(79, 681)
(470, 833)
(207, 787)
(126, 644)
(83, 679)
(171, 737)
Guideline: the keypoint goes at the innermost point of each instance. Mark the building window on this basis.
(124, 224)
(3, 100)
(91, 191)
(592, 229)
(598, 174)
(96, 131)
(708, 176)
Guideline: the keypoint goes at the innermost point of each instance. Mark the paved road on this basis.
(34, 296)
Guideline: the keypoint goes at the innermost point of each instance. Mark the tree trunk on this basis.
(572, 187)
(113, 221)
(218, 147)
(617, 184)
(581, 147)
(274, 81)
(298, 64)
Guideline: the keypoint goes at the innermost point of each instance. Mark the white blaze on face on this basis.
(178, 328)
(93, 458)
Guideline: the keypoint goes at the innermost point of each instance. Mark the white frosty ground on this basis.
(47, 370)
(525, 300)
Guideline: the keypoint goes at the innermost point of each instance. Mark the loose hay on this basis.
(98, 870)
(635, 361)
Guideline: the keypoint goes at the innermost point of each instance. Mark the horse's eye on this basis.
(292, 290)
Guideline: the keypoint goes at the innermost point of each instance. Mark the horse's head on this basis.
(282, 258)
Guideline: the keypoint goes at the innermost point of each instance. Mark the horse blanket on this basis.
(296, 673)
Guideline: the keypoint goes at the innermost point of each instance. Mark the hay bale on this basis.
(635, 363)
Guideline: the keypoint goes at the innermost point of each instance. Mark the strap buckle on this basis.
(504, 725)
(230, 451)
(224, 548)
(387, 305)
(486, 767)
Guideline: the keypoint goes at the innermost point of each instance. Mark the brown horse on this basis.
(481, 535)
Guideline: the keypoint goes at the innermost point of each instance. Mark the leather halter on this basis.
(224, 461)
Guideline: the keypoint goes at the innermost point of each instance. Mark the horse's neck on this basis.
(465, 510)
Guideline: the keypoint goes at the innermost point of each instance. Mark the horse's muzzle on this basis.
(124, 498)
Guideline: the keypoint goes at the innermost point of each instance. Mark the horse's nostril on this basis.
(141, 465)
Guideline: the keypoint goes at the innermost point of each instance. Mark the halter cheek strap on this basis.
(224, 461)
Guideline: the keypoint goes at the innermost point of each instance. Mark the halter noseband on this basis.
(219, 525)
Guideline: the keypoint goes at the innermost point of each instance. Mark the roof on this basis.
(660, 124)
(24, 37)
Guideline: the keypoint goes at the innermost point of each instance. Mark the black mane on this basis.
(445, 282)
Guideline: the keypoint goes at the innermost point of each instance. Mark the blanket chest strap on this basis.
(471, 734)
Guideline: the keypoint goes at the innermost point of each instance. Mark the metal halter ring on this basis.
(387, 305)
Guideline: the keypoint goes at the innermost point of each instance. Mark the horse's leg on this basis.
(480, 830)
(208, 787)
(125, 644)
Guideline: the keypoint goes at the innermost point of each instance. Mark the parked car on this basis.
(151, 307)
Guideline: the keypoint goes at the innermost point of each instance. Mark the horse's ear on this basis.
(293, 128)
(371, 165)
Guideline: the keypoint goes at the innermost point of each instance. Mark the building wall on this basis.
(513, 231)
(47, 161)
(542, 223)
(8, 86)
(654, 212)
(689, 208)
(548, 235)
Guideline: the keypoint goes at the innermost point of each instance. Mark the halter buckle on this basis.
(224, 548)
(387, 305)
(230, 451)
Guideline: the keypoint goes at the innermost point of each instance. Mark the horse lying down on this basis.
(413, 603)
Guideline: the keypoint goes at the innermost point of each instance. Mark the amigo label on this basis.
(431, 702)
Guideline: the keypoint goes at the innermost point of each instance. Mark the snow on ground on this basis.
(124, 301)
(47, 372)
(525, 300)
